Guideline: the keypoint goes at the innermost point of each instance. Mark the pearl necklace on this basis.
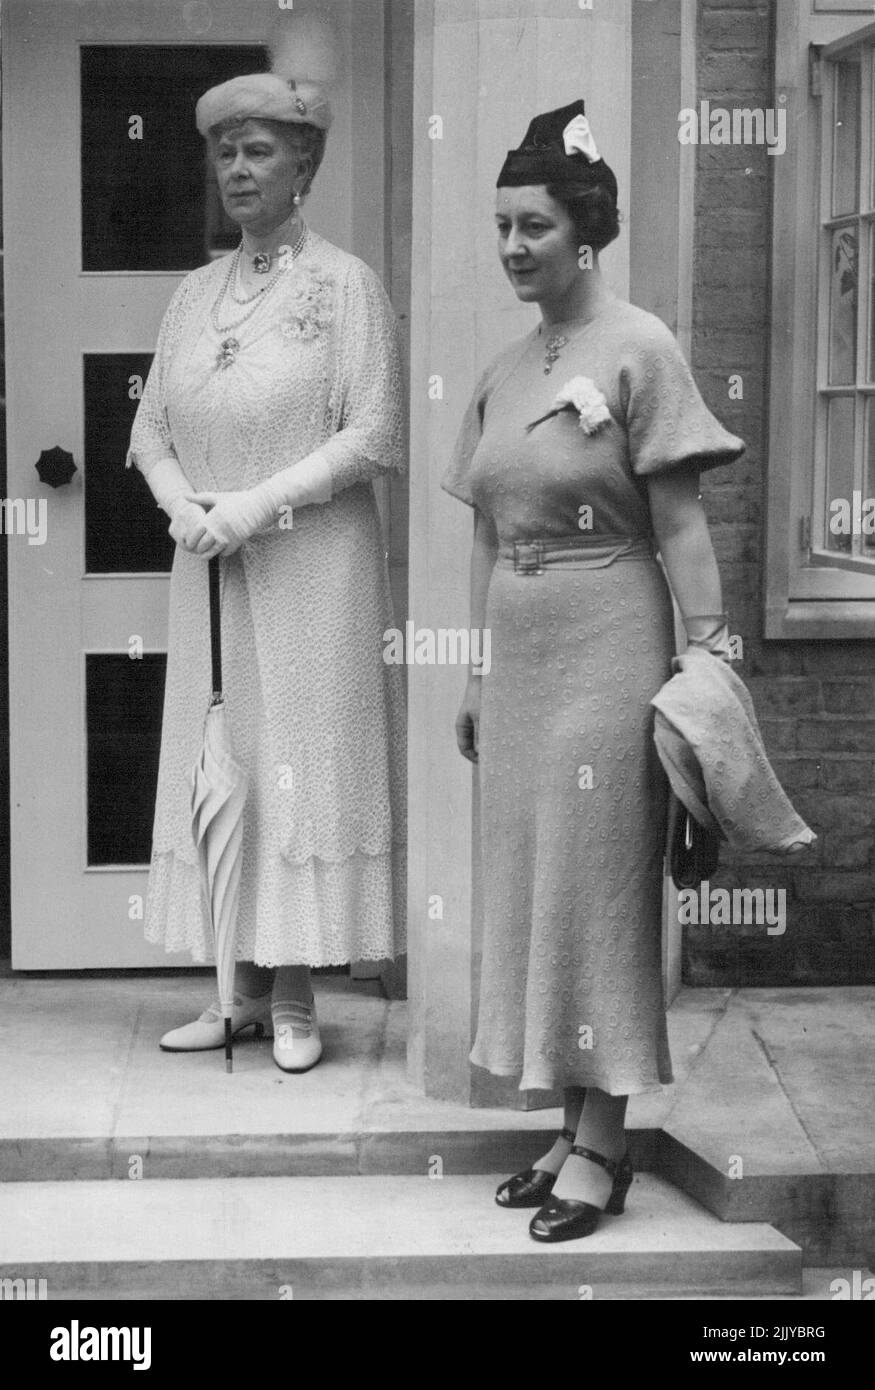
(261, 263)
(230, 346)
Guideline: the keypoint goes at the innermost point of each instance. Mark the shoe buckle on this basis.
(284, 1031)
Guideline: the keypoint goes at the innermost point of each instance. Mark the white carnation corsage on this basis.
(580, 394)
(309, 308)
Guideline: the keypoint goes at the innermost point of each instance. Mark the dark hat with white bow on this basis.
(558, 149)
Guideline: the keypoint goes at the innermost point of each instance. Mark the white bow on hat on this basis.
(579, 139)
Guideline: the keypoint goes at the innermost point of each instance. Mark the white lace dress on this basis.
(317, 717)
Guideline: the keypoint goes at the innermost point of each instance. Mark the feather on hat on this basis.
(304, 67)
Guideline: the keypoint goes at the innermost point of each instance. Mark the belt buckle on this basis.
(528, 557)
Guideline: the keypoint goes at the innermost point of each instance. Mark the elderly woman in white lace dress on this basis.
(273, 402)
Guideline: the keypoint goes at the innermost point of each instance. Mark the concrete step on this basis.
(298, 1153)
(370, 1237)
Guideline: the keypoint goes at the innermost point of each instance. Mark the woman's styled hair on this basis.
(592, 208)
(306, 140)
(310, 140)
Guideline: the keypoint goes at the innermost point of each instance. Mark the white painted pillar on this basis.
(483, 69)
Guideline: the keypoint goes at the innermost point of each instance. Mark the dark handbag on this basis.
(693, 849)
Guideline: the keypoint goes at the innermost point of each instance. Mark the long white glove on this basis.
(234, 517)
(170, 488)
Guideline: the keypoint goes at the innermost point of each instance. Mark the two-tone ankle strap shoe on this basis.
(531, 1188)
(563, 1218)
(297, 1045)
(207, 1033)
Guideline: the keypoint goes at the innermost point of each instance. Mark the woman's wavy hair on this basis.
(592, 208)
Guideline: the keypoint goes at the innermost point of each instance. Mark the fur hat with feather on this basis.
(304, 67)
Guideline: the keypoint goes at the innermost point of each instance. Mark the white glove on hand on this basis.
(234, 517)
(230, 519)
(187, 524)
(169, 486)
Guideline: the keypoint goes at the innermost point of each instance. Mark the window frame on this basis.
(808, 594)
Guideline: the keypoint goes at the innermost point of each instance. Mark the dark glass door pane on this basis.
(125, 532)
(150, 203)
(124, 700)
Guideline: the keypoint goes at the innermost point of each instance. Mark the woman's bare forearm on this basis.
(681, 531)
(692, 571)
(483, 556)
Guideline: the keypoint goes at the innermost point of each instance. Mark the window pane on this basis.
(869, 193)
(846, 142)
(870, 289)
(123, 719)
(124, 530)
(869, 490)
(843, 306)
(840, 467)
(148, 199)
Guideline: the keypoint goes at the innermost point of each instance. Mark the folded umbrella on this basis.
(219, 788)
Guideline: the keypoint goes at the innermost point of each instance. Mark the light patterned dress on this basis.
(316, 716)
(573, 798)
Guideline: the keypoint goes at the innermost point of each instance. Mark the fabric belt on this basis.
(586, 552)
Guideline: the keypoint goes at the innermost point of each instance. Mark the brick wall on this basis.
(5, 937)
(815, 700)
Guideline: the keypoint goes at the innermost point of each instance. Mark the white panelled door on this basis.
(106, 206)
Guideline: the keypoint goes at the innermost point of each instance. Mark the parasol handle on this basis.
(229, 1046)
(216, 626)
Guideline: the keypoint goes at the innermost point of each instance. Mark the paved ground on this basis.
(783, 1079)
(773, 1086)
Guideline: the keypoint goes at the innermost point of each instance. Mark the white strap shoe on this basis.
(207, 1033)
(297, 1045)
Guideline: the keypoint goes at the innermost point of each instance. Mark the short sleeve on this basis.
(668, 423)
(456, 479)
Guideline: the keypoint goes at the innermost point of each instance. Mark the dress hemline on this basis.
(610, 1086)
(208, 963)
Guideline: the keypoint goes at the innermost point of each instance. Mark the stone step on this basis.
(296, 1153)
(370, 1237)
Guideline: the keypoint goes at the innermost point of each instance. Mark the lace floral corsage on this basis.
(310, 308)
(580, 394)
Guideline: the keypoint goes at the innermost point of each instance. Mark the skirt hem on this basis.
(610, 1085)
(326, 963)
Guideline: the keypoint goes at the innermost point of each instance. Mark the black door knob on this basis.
(55, 467)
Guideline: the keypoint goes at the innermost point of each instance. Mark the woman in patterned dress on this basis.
(573, 494)
(273, 402)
